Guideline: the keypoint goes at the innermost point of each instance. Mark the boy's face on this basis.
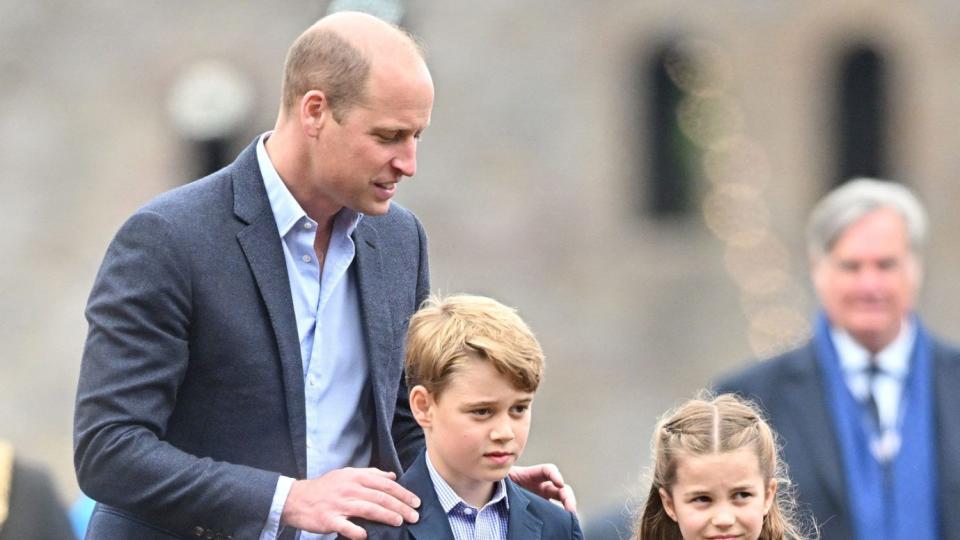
(477, 427)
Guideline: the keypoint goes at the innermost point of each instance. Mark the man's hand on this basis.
(546, 481)
(325, 504)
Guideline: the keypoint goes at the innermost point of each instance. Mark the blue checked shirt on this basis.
(467, 522)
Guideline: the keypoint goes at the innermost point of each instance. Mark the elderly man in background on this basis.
(869, 410)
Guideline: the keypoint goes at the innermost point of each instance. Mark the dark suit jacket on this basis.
(190, 401)
(791, 391)
(531, 517)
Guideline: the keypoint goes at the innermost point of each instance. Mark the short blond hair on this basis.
(448, 332)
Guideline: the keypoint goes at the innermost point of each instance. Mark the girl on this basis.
(716, 475)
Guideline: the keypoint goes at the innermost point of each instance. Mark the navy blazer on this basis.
(190, 403)
(531, 517)
(790, 389)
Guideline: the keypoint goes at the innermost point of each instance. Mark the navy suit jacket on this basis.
(190, 402)
(531, 517)
(791, 391)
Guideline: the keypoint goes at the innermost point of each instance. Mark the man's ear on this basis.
(667, 501)
(314, 111)
(422, 405)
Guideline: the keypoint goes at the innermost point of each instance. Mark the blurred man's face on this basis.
(868, 282)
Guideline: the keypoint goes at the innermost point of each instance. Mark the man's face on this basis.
(868, 282)
(477, 428)
(365, 155)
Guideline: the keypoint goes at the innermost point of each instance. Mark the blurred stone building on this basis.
(634, 176)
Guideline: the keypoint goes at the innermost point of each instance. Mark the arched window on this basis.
(860, 117)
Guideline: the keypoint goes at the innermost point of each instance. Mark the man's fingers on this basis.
(372, 512)
(552, 473)
(391, 488)
(349, 530)
(568, 498)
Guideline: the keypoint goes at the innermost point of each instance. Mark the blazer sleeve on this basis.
(407, 434)
(135, 358)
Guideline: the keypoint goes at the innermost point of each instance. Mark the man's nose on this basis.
(406, 159)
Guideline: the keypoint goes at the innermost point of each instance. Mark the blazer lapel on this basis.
(262, 248)
(522, 524)
(807, 397)
(433, 523)
(377, 319)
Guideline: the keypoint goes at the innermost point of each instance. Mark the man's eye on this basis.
(887, 264)
(848, 266)
(389, 136)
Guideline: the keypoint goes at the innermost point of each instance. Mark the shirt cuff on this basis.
(272, 528)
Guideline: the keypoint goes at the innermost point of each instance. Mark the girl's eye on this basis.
(743, 495)
(701, 499)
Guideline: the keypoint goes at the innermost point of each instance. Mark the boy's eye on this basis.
(519, 409)
(480, 412)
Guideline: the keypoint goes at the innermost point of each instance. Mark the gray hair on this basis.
(850, 202)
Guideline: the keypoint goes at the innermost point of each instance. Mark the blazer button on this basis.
(198, 531)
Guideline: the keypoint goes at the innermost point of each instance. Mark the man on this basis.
(242, 374)
(868, 411)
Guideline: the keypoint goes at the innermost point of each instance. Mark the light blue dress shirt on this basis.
(326, 302)
(894, 363)
(468, 522)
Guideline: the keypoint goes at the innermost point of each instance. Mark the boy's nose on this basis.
(502, 432)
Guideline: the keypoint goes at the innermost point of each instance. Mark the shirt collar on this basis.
(286, 210)
(449, 498)
(894, 359)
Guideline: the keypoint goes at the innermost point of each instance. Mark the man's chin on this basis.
(377, 209)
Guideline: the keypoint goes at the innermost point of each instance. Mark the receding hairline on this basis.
(368, 34)
(349, 46)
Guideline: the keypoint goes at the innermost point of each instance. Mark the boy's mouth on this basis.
(499, 458)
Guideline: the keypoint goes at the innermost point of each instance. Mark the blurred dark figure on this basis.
(868, 409)
(612, 524)
(29, 506)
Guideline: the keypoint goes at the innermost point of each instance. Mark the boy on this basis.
(472, 366)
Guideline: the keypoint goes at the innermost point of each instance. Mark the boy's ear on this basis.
(667, 501)
(421, 404)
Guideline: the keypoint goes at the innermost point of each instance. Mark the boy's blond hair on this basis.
(447, 332)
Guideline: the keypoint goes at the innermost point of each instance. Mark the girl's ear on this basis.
(667, 501)
(422, 404)
(771, 496)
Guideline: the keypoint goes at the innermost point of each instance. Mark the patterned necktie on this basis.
(870, 402)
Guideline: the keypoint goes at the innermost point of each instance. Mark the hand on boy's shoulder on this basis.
(546, 481)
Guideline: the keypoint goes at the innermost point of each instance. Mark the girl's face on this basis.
(719, 496)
